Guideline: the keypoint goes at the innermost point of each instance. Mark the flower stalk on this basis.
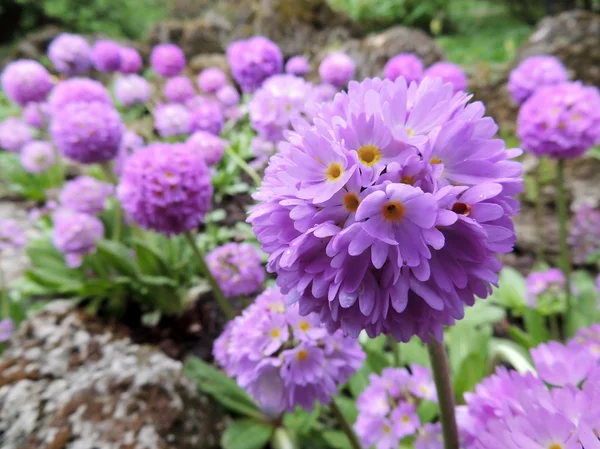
(565, 255)
(354, 442)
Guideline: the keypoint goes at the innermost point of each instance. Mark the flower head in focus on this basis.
(75, 234)
(237, 268)
(178, 89)
(209, 146)
(14, 134)
(407, 65)
(584, 235)
(297, 65)
(25, 81)
(337, 69)
(167, 60)
(172, 119)
(254, 60)
(85, 194)
(11, 235)
(131, 61)
(534, 73)
(211, 80)
(132, 89)
(37, 156)
(106, 56)
(449, 73)
(70, 54)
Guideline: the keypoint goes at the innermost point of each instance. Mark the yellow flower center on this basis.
(435, 160)
(275, 333)
(302, 355)
(279, 308)
(410, 132)
(556, 446)
(304, 326)
(405, 419)
(351, 201)
(576, 117)
(407, 180)
(334, 172)
(393, 211)
(369, 155)
(387, 429)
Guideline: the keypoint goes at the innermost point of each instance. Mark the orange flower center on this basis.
(334, 172)
(369, 155)
(302, 355)
(393, 211)
(461, 209)
(351, 201)
(407, 180)
(435, 160)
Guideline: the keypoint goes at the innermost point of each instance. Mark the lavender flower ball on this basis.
(25, 81)
(209, 146)
(85, 194)
(297, 65)
(36, 115)
(166, 188)
(70, 54)
(179, 89)
(132, 89)
(14, 134)
(75, 234)
(254, 60)
(87, 132)
(37, 156)
(367, 208)
(106, 56)
(167, 60)
(77, 90)
(172, 120)
(337, 69)
(449, 73)
(6, 329)
(131, 61)
(228, 96)
(584, 235)
(11, 235)
(533, 73)
(561, 121)
(549, 283)
(129, 143)
(237, 269)
(285, 360)
(207, 116)
(407, 65)
(211, 80)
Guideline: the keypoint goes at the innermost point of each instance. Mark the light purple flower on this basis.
(70, 54)
(406, 65)
(237, 269)
(167, 60)
(14, 134)
(25, 81)
(6, 329)
(77, 90)
(211, 80)
(85, 194)
(297, 65)
(590, 338)
(172, 119)
(449, 73)
(106, 56)
(584, 233)
(75, 234)
(254, 60)
(337, 69)
(37, 156)
(207, 116)
(129, 143)
(11, 235)
(551, 281)
(132, 89)
(430, 437)
(228, 96)
(560, 365)
(534, 73)
(178, 89)
(131, 61)
(209, 146)
(36, 115)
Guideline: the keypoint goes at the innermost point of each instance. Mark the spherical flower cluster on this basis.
(561, 121)
(254, 60)
(70, 54)
(237, 268)
(14, 134)
(6, 329)
(179, 89)
(36, 115)
(297, 65)
(449, 73)
(132, 89)
(75, 234)
(11, 235)
(337, 69)
(207, 116)
(211, 80)
(548, 284)
(77, 90)
(209, 146)
(172, 119)
(276, 104)
(131, 61)
(228, 96)
(387, 408)
(584, 235)
(85, 194)
(87, 132)
(533, 73)
(167, 60)
(166, 188)
(106, 56)
(387, 211)
(37, 156)
(407, 65)
(285, 360)
(25, 81)
(129, 143)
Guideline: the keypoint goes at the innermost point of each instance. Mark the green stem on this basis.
(354, 442)
(117, 212)
(565, 256)
(217, 292)
(539, 214)
(243, 165)
(282, 439)
(395, 347)
(5, 305)
(441, 376)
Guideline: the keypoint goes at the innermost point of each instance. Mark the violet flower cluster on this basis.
(406, 65)
(449, 73)
(179, 89)
(584, 233)
(297, 65)
(254, 60)
(11, 235)
(14, 134)
(207, 116)
(545, 285)
(532, 74)
(132, 89)
(25, 81)
(167, 60)
(211, 80)
(37, 156)
(36, 115)
(75, 234)
(106, 56)
(172, 119)
(237, 268)
(337, 69)
(77, 90)
(209, 146)
(85, 194)
(70, 54)
(283, 359)
(129, 143)
(131, 61)
(386, 212)
(387, 408)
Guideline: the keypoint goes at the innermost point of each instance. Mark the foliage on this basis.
(28, 185)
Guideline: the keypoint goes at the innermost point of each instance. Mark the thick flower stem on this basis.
(243, 165)
(565, 255)
(217, 292)
(354, 442)
(395, 348)
(117, 212)
(441, 376)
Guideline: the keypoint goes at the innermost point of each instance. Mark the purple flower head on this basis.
(37, 156)
(560, 365)
(75, 234)
(228, 96)
(129, 143)
(179, 89)
(85, 194)
(407, 65)
(77, 90)
(276, 104)
(132, 89)
(70, 54)
(386, 211)
(211, 80)
(430, 437)
(285, 360)
(25, 81)
(254, 60)
(337, 69)
(449, 73)
(549, 282)
(237, 268)
(319, 94)
(166, 188)
(209, 146)
(87, 132)
(36, 115)
(131, 61)
(11, 235)
(106, 56)
(584, 235)
(590, 338)
(14, 134)
(172, 119)
(207, 116)
(297, 65)
(6, 329)
(560, 121)
(533, 73)
(167, 60)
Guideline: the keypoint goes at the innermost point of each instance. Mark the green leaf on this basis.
(301, 422)
(511, 291)
(522, 338)
(348, 407)
(427, 411)
(414, 352)
(360, 380)
(377, 360)
(535, 326)
(470, 373)
(118, 256)
(246, 434)
(512, 353)
(336, 439)
(482, 313)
